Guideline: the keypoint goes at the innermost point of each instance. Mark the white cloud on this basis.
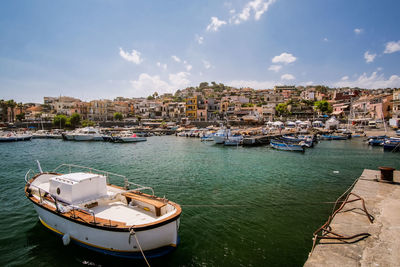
(179, 79)
(275, 68)
(207, 64)
(188, 67)
(374, 81)
(232, 11)
(344, 78)
(284, 58)
(358, 31)
(131, 57)
(256, 7)
(199, 39)
(369, 57)
(163, 66)
(310, 83)
(325, 39)
(253, 84)
(215, 24)
(392, 47)
(287, 77)
(147, 84)
(177, 59)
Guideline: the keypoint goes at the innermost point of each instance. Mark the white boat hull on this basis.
(131, 139)
(219, 139)
(159, 239)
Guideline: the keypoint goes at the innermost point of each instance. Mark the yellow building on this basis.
(191, 108)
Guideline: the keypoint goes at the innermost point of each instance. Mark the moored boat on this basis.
(127, 138)
(392, 144)
(84, 208)
(12, 137)
(279, 145)
(84, 134)
(334, 137)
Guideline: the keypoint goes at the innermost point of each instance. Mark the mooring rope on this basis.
(132, 232)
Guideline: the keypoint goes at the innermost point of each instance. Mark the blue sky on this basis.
(96, 49)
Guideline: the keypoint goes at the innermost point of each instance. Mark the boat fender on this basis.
(66, 239)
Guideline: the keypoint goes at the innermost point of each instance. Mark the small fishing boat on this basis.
(84, 208)
(232, 142)
(207, 137)
(334, 137)
(392, 144)
(376, 140)
(280, 145)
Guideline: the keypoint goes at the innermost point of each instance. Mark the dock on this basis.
(362, 235)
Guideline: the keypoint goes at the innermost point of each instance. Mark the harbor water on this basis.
(242, 206)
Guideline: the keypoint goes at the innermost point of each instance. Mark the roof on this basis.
(78, 176)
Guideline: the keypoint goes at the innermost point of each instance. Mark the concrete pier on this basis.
(382, 246)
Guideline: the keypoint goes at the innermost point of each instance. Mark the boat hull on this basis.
(287, 147)
(129, 139)
(219, 139)
(155, 242)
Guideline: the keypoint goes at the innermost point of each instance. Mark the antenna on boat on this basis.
(39, 167)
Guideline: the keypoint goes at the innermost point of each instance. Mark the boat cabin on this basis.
(75, 188)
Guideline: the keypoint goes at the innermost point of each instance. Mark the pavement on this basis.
(382, 247)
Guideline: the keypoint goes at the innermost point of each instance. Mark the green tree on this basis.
(282, 109)
(68, 123)
(4, 110)
(203, 85)
(323, 106)
(20, 116)
(75, 119)
(87, 123)
(59, 121)
(150, 97)
(118, 116)
(248, 105)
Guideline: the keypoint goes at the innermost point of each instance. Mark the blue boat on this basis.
(376, 140)
(307, 140)
(334, 137)
(287, 146)
(392, 144)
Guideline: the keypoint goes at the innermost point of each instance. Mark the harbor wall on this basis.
(363, 234)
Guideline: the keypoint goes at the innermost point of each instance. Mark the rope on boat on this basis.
(133, 233)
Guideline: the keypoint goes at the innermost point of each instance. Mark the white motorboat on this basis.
(85, 134)
(127, 137)
(83, 208)
(40, 134)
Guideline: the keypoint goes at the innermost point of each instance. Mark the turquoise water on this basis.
(241, 206)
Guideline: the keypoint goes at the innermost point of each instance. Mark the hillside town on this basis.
(213, 103)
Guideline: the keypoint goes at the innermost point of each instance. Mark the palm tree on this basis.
(4, 110)
(11, 104)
